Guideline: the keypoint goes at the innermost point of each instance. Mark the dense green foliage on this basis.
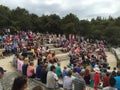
(100, 28)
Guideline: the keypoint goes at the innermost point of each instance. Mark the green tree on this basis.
(20, 19)
(5, 21)
(70, 24)
(113, 35)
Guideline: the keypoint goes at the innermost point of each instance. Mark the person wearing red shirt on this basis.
(96, 78)
(106, 80)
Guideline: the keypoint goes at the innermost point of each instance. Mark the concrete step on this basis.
(64, 58)
(9, 77)
(51, 46)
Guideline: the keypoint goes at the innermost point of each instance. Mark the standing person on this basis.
(49, 56)
(114, 69)
(87, 76)
(67, 84)
(106, 80)
(43, 74)
(24, 66)
(58, 70)
(78, 68)
(79, 82)
(30, 70)
(39, 60)
(75, 73)
(54, 58)
(38, 70)
(117, 78)
(50, 64)
(20, 83)
(19, 63)
(1, 76)
(96, 78)
(52, 78)
(64, 72)
(92, 74)
(14, 62)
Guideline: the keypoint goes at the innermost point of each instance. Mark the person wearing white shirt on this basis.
(52, 78)
(67, 84)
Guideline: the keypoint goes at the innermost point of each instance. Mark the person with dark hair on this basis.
(108, 69)
(58, 70)
(52, 78)
(39, 60)
(117, 78)
(112, 82)
(37, 88)
(75, 73)
(38, 70)
(87, 76)
(50, 64)
(30, 70)
(20, 83)
(78, 68)
(114, 69)
(54, 58)
(106, 79)
(79, 82)
(43, 74)
(64, 72)
(24, 66)
(113, 74)
(1, 76)
(19, 63)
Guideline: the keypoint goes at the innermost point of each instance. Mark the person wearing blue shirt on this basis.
(78, 69)
(38, 70)
(64, 73)
(117, 78)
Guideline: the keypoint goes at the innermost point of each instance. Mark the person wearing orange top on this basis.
(49, 56)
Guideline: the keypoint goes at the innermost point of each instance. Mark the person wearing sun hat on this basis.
(96, 78)
(1, 76)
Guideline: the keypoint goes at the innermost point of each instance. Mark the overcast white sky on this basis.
(84, 9)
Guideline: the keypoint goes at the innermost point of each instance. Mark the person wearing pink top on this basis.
(31, 71)
(19, 64)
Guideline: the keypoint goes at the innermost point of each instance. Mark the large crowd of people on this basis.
(87, 65)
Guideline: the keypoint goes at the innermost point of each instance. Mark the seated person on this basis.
(30, 70)
(1, 54)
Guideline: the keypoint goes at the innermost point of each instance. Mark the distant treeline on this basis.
(99, 28)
